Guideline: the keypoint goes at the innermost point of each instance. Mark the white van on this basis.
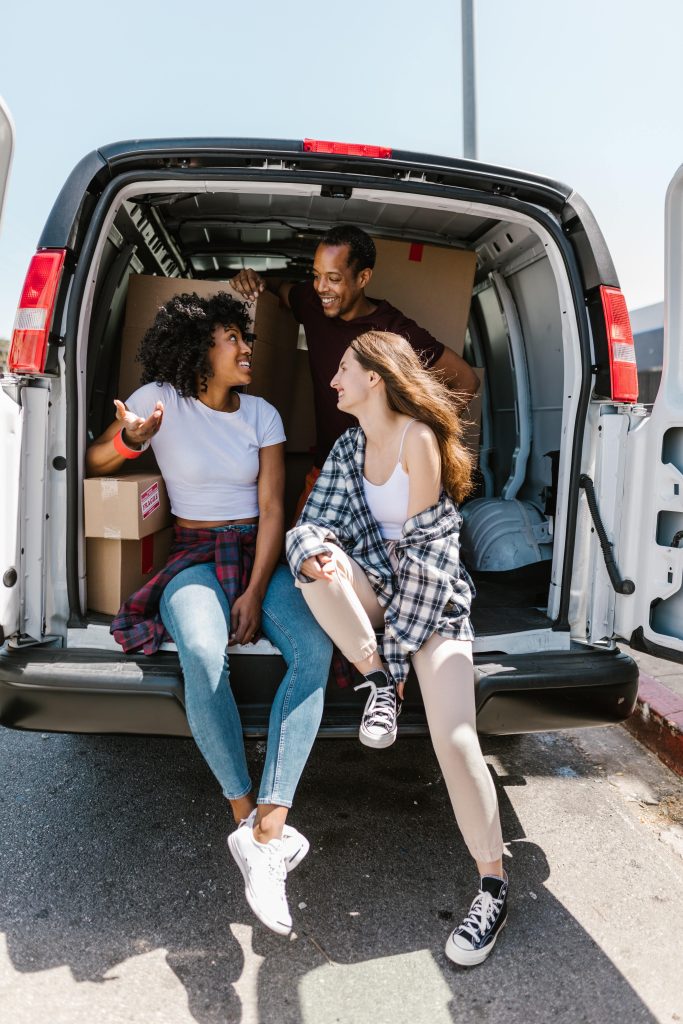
(573, 535)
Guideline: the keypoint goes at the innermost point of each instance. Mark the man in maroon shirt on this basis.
(335, 310)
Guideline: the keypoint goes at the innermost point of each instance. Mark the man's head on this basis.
(342, 268)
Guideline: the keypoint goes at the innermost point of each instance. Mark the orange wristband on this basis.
(124, 451)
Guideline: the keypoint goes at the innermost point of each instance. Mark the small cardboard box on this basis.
(117, 568)
(125, 507)
(430, 284)
(270, 322)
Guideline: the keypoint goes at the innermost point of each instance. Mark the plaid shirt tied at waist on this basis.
(138, 622)
(430, 592)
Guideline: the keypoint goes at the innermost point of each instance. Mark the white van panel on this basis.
(32, 510)
(23, 427)
(648, 550)
(11, 429)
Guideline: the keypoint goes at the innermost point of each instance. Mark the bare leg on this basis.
(270, 820)
(242, 807)
(491, 867)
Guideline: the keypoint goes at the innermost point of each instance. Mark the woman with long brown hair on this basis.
(377, 549)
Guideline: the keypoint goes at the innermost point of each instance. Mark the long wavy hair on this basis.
(175, 348)
(415, 391)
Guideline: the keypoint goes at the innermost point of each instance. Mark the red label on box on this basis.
(150, 501)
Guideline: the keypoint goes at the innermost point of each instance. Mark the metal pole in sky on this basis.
(469, 104)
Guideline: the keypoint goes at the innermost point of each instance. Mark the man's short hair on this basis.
(362, 252)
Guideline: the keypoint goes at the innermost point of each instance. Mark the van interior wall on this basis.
(537, 306)
(138, 245)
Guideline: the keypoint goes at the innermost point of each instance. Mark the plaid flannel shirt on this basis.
(430, 593)
(138, 622)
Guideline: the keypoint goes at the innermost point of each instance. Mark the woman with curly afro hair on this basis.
(221, 453)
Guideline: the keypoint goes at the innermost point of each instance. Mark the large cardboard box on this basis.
(429, 284)
(125, 507)
(300, 428)
(273, 326)
(117, 568)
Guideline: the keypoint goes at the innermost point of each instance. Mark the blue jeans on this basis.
(195, 611)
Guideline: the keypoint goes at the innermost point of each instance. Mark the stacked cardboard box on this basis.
(274, 328)
(128, 536)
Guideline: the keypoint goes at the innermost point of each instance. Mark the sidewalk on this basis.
(658, 718)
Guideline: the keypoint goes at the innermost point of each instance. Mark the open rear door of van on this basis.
(6, 150)
(10, 443)
(649, 548)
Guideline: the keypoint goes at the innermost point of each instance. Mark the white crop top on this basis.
(209, 460)
(388, 502)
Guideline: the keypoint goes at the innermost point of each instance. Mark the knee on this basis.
(464, 742)
(202, 649)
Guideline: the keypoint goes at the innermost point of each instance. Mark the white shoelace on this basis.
(481, 916)
(381, 709)
(274, 866)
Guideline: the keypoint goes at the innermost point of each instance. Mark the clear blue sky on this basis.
(587, 92)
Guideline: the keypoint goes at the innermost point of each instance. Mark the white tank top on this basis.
(388, 502)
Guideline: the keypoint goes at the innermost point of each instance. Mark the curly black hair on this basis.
(175, 348)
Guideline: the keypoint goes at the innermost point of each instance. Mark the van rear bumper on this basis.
(90, 691)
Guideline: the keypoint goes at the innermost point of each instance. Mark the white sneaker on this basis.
(264, 872)
(378, 726)
(295, 846)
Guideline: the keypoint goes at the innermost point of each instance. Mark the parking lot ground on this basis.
(119, 902)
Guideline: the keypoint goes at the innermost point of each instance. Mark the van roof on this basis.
(199, 156)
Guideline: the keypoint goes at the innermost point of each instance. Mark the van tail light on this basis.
(34, 316)
(622, 353)
(346, 149)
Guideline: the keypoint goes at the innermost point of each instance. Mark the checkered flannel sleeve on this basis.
(320, 523)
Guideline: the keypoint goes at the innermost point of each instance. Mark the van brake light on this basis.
(346, 149)
(34, 315)
(622, 354)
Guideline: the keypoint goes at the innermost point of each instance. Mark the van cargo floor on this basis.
(512, 601)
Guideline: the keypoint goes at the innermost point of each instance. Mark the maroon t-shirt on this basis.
(329, 337)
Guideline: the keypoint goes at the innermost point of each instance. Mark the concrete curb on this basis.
(658, 722)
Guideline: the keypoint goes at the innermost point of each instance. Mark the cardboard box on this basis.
(300, 427)
(431, 285)
(125, 507)
(271, 323)
(272, 376)
(117, 568)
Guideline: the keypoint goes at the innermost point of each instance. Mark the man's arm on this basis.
(457, 374)
(249, 284)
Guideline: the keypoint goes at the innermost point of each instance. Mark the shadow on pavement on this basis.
(115, 846)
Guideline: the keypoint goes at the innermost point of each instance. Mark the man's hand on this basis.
(137, 431)
(319, 567)
(245, 618)
(248, 283)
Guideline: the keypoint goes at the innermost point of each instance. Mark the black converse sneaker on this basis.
(472, 942)
(378, 725)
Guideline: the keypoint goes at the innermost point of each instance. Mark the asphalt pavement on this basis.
(119, 901)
